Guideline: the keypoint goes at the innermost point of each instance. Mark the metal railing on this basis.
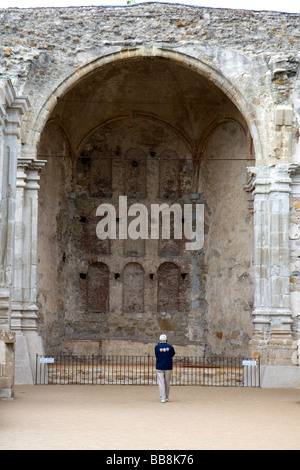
(141, 370)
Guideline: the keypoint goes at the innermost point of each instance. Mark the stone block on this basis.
(7, 336)
(284, 115)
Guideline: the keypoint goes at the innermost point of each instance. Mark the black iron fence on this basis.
(140, 370)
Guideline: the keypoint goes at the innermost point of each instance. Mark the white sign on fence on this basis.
(46, 360)
(249, 362)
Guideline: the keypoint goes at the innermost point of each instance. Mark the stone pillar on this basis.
(295, 250)
(11, 110)
(272, 317)
(24, 308)
(4, 285)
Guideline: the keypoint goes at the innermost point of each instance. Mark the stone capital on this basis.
(268, 179)
(31, 164)
(28, 174)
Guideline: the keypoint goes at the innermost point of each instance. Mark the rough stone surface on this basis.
(161, 103)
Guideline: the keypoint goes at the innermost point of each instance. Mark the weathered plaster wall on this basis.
(113, 291)
(229, 246)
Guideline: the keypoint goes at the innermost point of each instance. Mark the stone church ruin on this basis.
(160, 103)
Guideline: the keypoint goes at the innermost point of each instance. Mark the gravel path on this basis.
(109, 417)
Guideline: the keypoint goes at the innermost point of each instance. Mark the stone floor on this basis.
(131, 417)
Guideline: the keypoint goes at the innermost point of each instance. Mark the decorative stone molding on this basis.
(24, 293)
(12, 108)
(272, 316)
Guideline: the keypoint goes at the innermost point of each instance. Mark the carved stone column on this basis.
(24, 309)
(272, 317)
(12, 108)
(295, 250)
(24, 294)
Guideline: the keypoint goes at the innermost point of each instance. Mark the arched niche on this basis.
(98, 288)
(133, 288)
(168, 288)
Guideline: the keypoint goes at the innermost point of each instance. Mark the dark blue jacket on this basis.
(164, 353)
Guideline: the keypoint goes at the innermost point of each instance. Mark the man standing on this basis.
(164, 353)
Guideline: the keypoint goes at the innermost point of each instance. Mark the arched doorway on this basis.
(156, 131)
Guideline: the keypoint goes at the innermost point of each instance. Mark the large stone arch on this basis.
(259, 78)
(199, 64)
(98, 147)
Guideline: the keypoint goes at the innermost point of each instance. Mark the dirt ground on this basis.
(111, 417)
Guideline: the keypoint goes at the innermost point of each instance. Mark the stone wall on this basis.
(86, 76)
(27, 33)
(257, 51)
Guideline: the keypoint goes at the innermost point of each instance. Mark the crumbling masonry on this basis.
(160, 103)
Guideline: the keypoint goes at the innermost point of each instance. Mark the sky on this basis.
(289, 6)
